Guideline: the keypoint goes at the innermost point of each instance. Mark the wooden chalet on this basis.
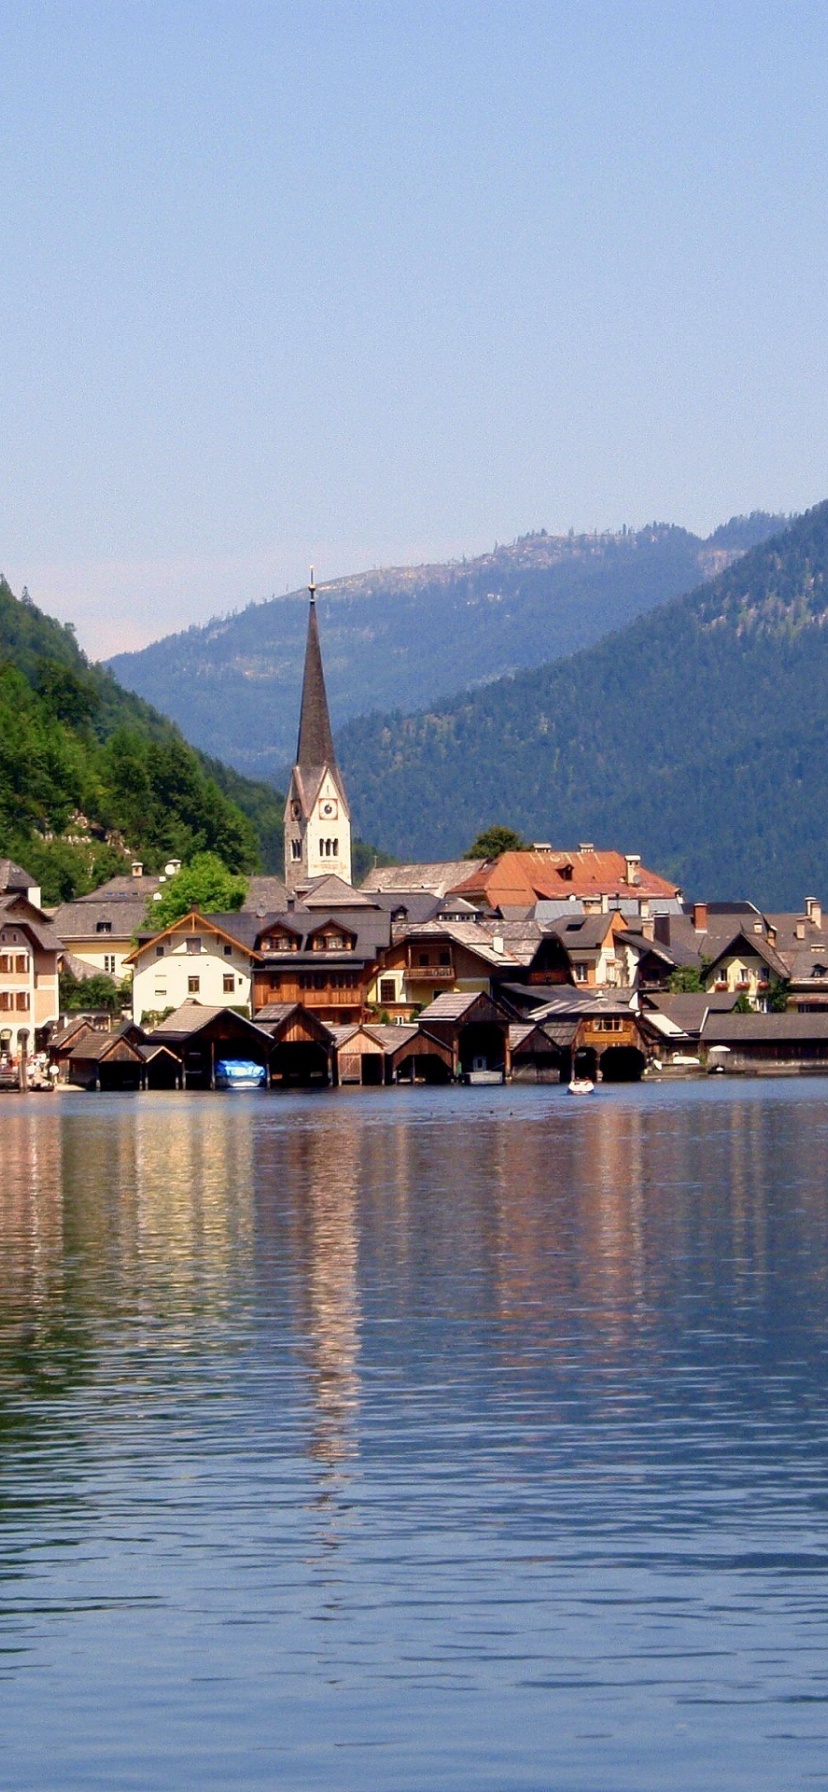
(324, 954)
(199, 1036)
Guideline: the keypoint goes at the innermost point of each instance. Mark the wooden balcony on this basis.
(430, 973)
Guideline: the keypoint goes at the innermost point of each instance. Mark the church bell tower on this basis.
(317, 817)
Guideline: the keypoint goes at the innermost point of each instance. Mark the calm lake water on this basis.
(422, 1439)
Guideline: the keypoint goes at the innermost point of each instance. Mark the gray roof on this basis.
(451, 1006)
(420, 905)
(81, 919)
(742, 1029)
(17, 910)
(752, 942)
(438, 877)
(192, 1016)
(124, 888)
(547, 911)
(13, 877)
(370, 926)
(330, 891)
(265, 895)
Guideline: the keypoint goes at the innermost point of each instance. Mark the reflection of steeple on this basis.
(316, 748)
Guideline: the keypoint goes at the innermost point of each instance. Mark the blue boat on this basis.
(240, 1073)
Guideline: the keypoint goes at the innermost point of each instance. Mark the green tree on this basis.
(205, 883)
(778, 995)
(495, 840)
(687, 980)
(78, 994)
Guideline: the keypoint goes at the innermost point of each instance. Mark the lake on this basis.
(415, 1439)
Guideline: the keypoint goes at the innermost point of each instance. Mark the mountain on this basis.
(697, 735)
(415, 635)
(89, 771)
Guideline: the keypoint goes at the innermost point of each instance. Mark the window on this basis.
(445, 958)
(422, 958)
(5, 1000)
(388, 989)
(5, 963)
(193, 986)
(194, 942)
(22, 1000)
(295, 850)
(228, 984)
(103, 926)
(159, 951)
(580, 973)
(109, 963)
(227, 951)
(21, 964)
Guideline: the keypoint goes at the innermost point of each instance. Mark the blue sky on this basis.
(364, 283)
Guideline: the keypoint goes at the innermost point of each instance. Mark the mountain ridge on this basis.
(417, 634)
(694, 735)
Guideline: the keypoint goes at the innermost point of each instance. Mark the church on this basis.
(317, 817)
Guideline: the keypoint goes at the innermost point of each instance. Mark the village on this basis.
(536, 965)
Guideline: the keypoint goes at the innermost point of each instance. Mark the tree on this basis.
(495, 840)
(688, 980)
(205, 883)
(86, 994)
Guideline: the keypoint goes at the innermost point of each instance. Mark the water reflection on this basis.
(526, 1394)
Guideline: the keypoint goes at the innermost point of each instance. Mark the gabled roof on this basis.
(331, 891)
(124, 888)
(17, 911)
(739, 1029)
(13, 877)
(192, 1017)
(469, 934)
(213, 923)
(419, 905)
(744, 944)
(454, 1005)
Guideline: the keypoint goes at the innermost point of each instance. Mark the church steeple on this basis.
(316, 746)
(317, 818)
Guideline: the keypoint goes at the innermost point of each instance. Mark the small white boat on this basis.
(581, 1085)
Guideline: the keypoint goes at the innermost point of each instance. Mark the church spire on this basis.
(316, 746)
(317, 819)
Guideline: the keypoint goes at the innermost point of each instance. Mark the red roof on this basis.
(517, 878)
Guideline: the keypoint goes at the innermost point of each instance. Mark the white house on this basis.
(199, 958)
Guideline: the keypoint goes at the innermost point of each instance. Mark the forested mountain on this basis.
(697, 736)
(89, 771)
(413, 635)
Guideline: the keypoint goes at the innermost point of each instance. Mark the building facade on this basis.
(317, 817)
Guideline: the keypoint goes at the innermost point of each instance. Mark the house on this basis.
(423, 962)
(317, 817)
(599, 1028)
(323, 951)
(30, 953)
(748, 965)
(207, 958)
(673, 1023)
(14, 881)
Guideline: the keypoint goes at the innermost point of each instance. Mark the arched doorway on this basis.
(585, 1063)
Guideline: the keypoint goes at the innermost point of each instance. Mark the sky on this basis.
(371, 282)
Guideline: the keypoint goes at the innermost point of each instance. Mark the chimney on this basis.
(137, 868)
(700, 916)
(813, 910)
(604, 903)
(172, 866)
(644, 908)
(799, 927)
(586, 846)
(497, 942)
(291, 902)
(592, 905)
(661, 929)
(633, 864)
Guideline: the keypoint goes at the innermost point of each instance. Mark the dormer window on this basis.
(281, 942)
(296, 850)
(103, 926)
(329, 939)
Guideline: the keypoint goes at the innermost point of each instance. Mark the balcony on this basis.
(430, 973)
